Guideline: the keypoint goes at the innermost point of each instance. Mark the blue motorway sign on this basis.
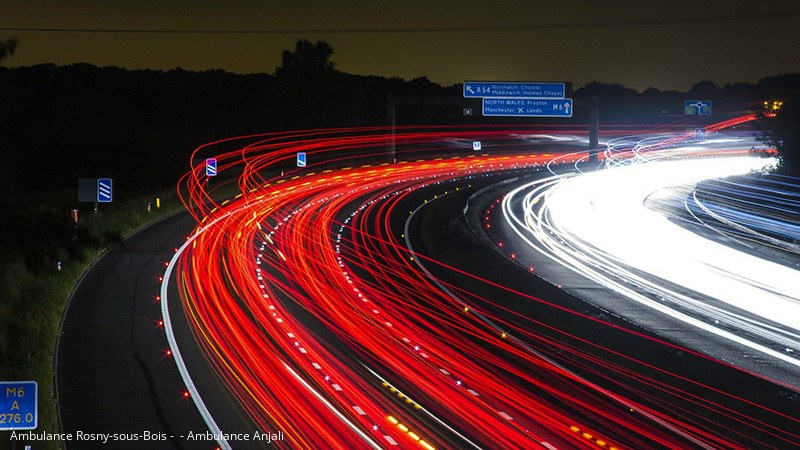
(697, 107)
(104, 190)
(301, 159)
(528, 107)
(19, 405)
(211, 167)
(510, 89)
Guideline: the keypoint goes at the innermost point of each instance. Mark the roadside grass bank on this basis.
(44, 256)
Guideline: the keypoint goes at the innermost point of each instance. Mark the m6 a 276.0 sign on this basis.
(18, 405)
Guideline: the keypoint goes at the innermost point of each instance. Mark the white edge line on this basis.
(176, 354)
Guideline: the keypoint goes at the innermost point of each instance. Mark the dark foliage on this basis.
(781, 129)
(8, 47)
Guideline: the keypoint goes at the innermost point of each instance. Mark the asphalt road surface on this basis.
(116, 385)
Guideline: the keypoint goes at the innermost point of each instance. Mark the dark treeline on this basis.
(61, 123)
(620, 104)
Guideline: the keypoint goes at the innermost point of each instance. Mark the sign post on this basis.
(19, 408)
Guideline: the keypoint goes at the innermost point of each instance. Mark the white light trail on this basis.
(598, 224)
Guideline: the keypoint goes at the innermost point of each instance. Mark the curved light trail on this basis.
(308, 305)
(605, 226)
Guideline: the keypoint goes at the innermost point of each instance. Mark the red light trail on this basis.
(311, 308)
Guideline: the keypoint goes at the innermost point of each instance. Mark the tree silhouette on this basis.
(7, 47)
(311, 93)
(780, 129)
(307, 58)
(704, 90)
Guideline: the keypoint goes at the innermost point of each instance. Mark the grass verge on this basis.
(38, 275)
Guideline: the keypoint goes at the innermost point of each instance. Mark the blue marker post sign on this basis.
(105, 192)
(502, 89)
(211, 167)
(301, 159)
(527, 107)
(19, 402)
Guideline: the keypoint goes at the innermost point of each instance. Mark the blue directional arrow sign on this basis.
(104, 190)
(211, 167)
(697, 107)
(500, 89)
(301, 159)
(19, 402)
(528, 107)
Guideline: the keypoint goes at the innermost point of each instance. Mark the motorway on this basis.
(353, 307)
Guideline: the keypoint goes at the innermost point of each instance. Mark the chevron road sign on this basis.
(104, 190)
(211, 167)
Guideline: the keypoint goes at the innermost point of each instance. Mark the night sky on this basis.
(635, 43)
